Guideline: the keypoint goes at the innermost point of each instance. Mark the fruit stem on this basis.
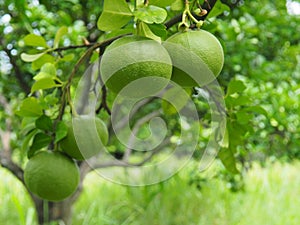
(187, 13)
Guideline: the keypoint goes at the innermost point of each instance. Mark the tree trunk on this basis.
(53, 211)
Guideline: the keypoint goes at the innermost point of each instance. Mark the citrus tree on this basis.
(89, 86)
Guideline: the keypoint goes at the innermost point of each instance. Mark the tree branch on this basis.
(135, 130)
(207, 5)
(103, 104)
(136, 108)
(95, 164)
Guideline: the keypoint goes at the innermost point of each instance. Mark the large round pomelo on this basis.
(130, 58)
(51, 175)
(86, 137)
(197, 57)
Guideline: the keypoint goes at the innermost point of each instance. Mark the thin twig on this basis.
(208, 6)
(134, 132)
(95, 164)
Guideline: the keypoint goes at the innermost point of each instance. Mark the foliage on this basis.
(47, 47)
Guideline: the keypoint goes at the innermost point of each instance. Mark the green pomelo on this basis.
(86, 137)
(197, 57)
(130, 58)
(52, 176)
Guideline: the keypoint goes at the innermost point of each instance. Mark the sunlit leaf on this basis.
(42, 75)
(44, 83)
(30, 107)
(30, 58)
(68, 57)
(46, 58)
(177, 5)
(116, 14)
(61, 32)
(49, 68)
(151, 14)
(218, 9)
(145, 31)
(35, 40)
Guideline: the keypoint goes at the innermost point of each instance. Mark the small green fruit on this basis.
(197, 57)
(52, 176)
(86, 137)
(130, 58)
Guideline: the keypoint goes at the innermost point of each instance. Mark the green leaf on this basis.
(151, 14)
(27, 125)
(237, 101)
(46, 58)
(26, 141)
(61, 131)
(161, 3)
(49, 68)
(30, 58)
(30, 107)
(44, 123)
(40, 141)
(116, 14)
(159, 30)
(177, 5)
(145, 31)
(237, 133)
(59, 34)
(35, 40)
(218, 9)
(243, 117)
(44, 83)
(67, 58)
(235, 86)
(42, 75)
(257, 109)
(228, 160)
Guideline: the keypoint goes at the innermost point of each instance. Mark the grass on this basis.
(271, 197)
(16, 207)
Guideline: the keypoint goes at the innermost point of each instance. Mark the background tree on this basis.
(261, 49)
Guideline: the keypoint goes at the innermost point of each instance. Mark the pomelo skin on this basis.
(132, 57)
(52, 176)
(197, 43)
(82, 142)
